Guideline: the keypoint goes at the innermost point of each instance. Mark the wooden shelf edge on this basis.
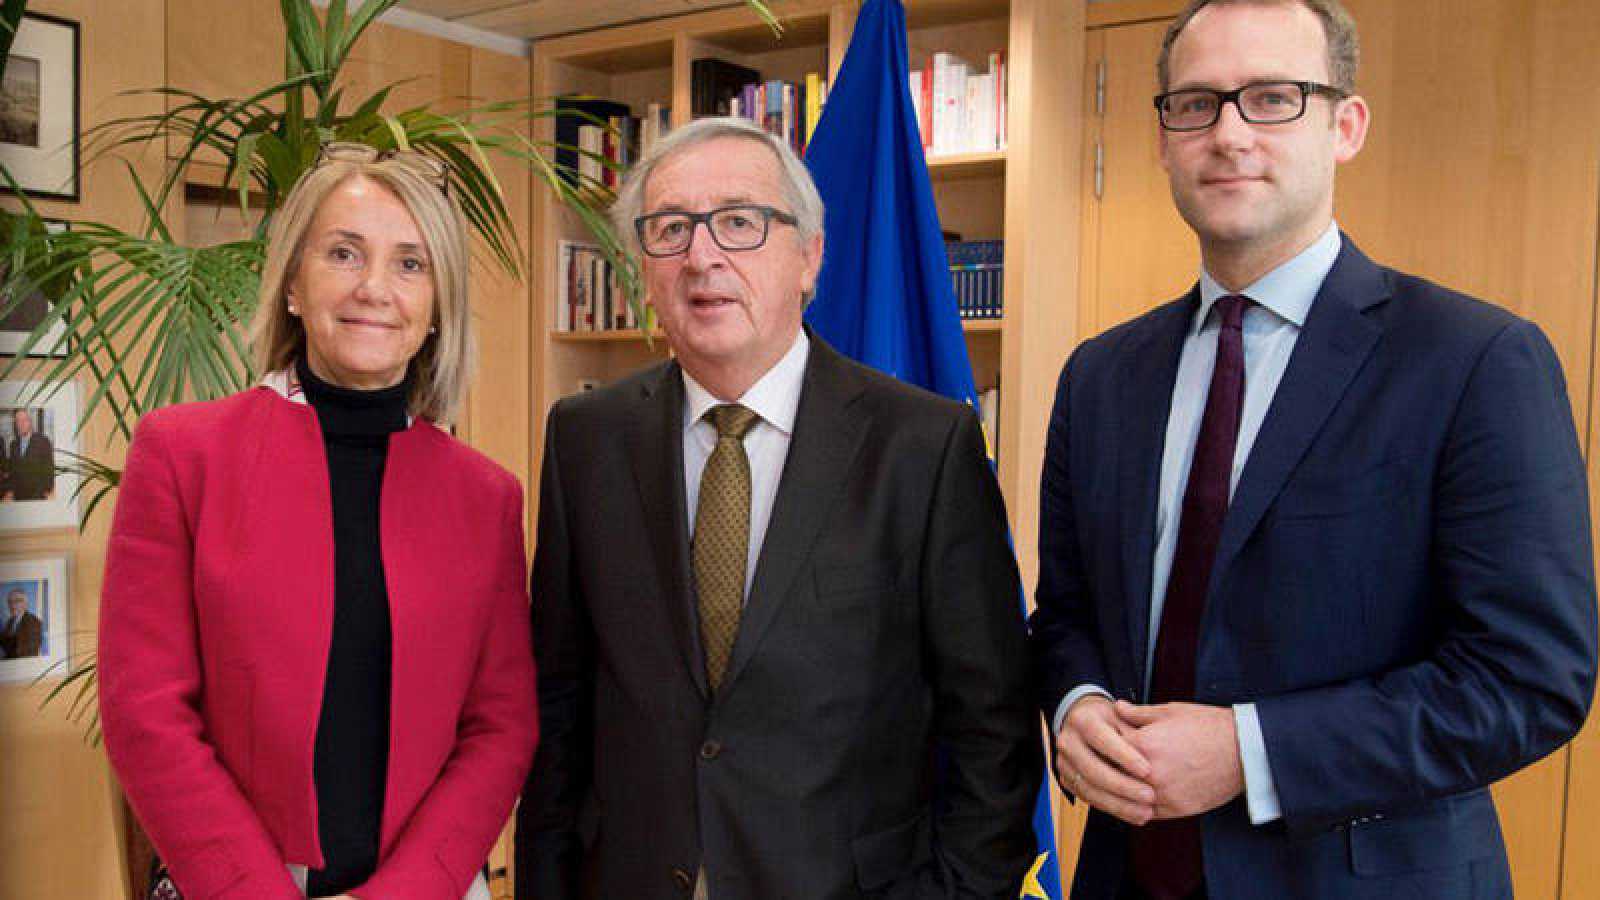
(967, 165)
(623, 335)
(970, 326)
(942, 13)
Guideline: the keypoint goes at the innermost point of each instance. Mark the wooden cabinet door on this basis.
(1143, 252)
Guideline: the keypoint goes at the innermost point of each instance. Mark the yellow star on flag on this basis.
(1030, 882)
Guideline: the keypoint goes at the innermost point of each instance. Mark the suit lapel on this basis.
(1337, 339)
(827, 435)
(655, 447)
(1149, 372)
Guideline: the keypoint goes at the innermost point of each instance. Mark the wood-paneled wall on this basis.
(1482, 172)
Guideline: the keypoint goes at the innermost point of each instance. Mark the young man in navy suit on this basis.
(1315, 565)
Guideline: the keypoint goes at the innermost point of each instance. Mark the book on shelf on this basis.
(790, 110)
(573, 115)
(654, 126)
(713, 83)
(960, 110)
(591, 132)
(977, 273)
(589, 296)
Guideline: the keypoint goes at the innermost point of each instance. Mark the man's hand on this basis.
(1193, 753)
(1095, 761)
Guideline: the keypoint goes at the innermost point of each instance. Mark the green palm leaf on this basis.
(179, 310)
(10, 18)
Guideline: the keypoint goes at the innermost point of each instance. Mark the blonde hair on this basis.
(442, 367)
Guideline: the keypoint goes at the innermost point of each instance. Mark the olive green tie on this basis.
(722, 536)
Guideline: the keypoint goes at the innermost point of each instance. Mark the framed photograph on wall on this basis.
(17, 321)
(39, 108)
(34, 430)
(33, 616)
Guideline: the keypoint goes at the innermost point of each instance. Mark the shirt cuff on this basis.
(1073, 696)
(1260, 792)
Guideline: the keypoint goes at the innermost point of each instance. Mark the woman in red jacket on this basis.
(315, 664)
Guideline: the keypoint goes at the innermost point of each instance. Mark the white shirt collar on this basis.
(775, 397)
(1289, 290)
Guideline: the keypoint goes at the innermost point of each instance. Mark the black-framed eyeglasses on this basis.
(1259, 103)
(742, 227)
(429, 167)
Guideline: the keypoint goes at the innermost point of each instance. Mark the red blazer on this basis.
(215, 628)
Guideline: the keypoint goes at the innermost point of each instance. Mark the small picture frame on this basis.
(39, 107)
(36, 429)
(19, 322)
(34, 636)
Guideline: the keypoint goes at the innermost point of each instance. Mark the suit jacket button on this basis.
(682, 879)
(710, 750)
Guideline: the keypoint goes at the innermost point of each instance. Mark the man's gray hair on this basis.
(799, 191)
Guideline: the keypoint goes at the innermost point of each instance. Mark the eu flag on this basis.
(884, 296)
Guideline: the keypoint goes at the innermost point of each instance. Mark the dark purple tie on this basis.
(1167, 860)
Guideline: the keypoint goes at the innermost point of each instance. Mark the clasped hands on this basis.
(1139, 763)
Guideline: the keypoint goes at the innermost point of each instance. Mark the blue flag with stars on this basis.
(884, 296)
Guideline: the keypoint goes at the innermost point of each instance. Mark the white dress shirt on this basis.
(775, 399)
(1282, 301)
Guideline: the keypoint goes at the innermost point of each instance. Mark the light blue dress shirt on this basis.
(1282, 300)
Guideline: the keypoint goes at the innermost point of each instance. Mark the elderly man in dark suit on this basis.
(774, 604)
(1314, 546)
(21, 632)
(30, 462)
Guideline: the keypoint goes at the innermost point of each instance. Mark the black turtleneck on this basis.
(352, 750)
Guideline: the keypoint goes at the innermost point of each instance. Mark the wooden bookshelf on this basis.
(1024, 194)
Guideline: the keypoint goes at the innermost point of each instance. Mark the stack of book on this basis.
(713, 83)
(588, 296)
(788, 110)
(960, 110)
(977, 270)
(598, 139)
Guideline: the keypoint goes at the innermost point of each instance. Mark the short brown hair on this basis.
(443, 364)
(1344, 45)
